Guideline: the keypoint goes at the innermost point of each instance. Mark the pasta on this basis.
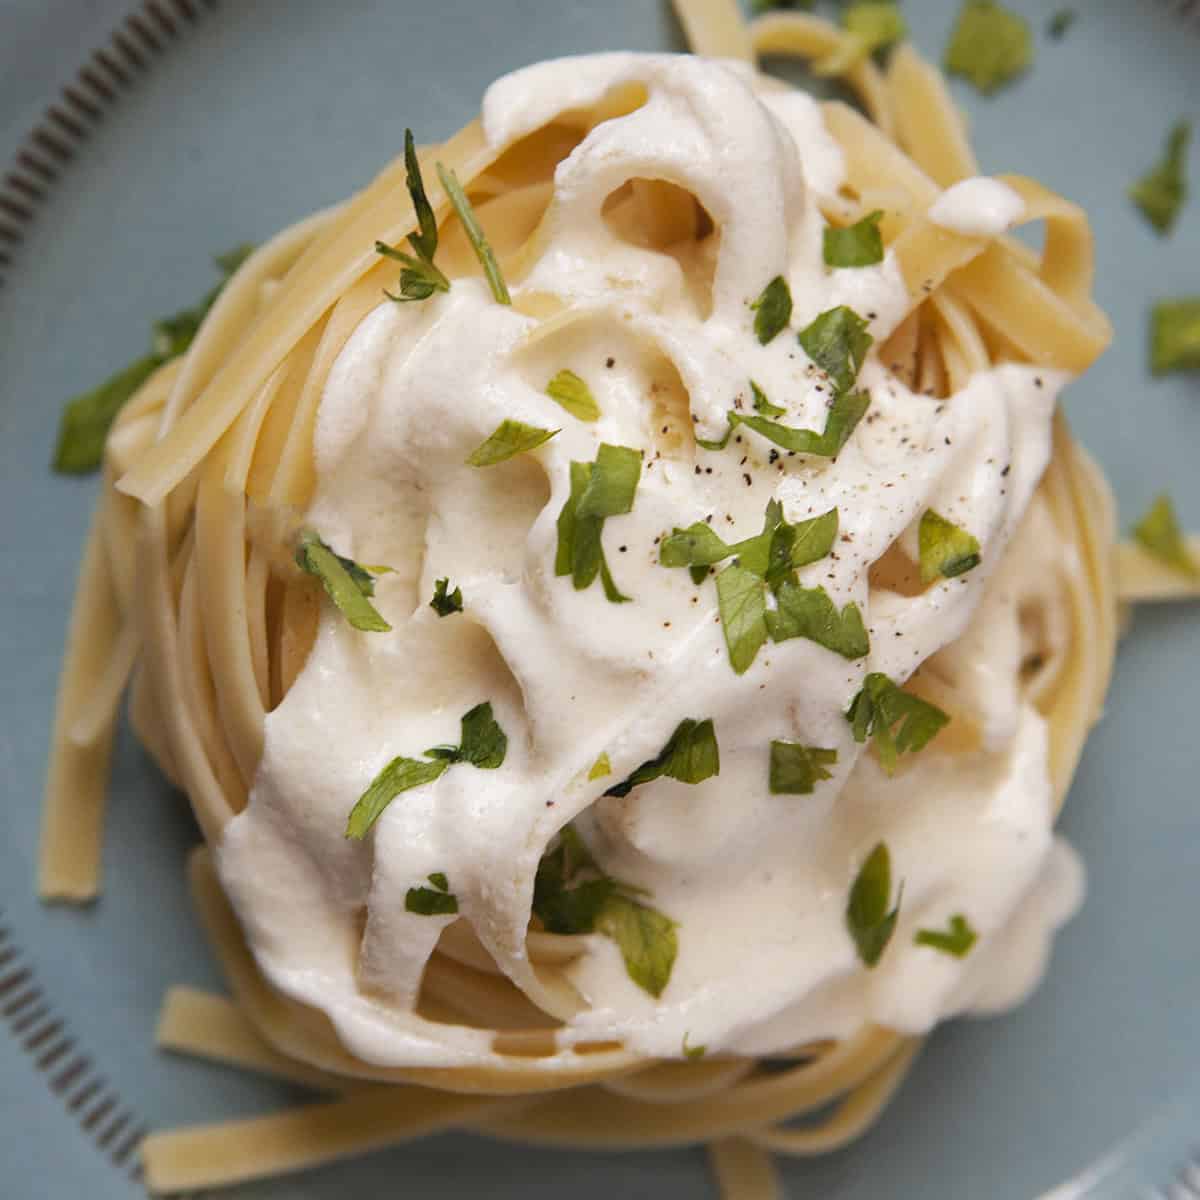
(188, 595)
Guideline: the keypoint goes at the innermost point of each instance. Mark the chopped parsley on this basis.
(871, 26)
(419, 278)
(810, 613)
(946, 549)
(1060, 22)
(858, 245)
(880, 707)
(870, 922)
(87, 418)
(837, 341)
(507, 440)
(572, 895)
(762, 404)
(347, 584)
(844, 414)
(772, 310)
(600, 768)
(691, 1053)
(1158, 533)
(483, 745)
(1160, 194)
(742, 602)
(446, 602)
(691, 755)
(1175, 336)
(989, 46)
(567, 389)
(956, 940)
(475, 234)
(436, 901)
(599, 490)
(797, 769)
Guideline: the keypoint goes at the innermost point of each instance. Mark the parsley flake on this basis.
(475, 234)
(877, 710)
(810, 613)
(691, 1053)
(1175, 336)
(1160, 194)
(436, 901)
(957, 940)
(600, 768)
(691, 755)
(1060, 22)
(420, 278)
(772, 310)
(347, 584)
(844, 415)
(1158, 533)
(742, 602)
(868, 918)
(87, 418)
(837, 341)
(858, 245)
(762, 404)
(571, 895)
(946, 549)
(871, 26)
(990, 45)
(506, 441)
(484, 745)
(797, 769)
(446, 602)
(605, 488)
(567, 389)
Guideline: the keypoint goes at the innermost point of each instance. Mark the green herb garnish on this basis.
(772, 310)
(600, 768)
(446, 602)
(946, 549)
(347, 584)
(810, 613)
(475, 234)
(871, 25)
(1162, 191)
(990, 45)
(762, 404)
(1060, 22)
(858, 245)
(844, 415)
(691, 1053)
(1175, 336)
(837, 341)
(571, 895)
(870, 922)
(599, 490)
(742, 602)
(880, 707)
(506, 441)
(691, 755)
(436, 901)
(567, 389)
(87, 418)
(484, 745)
(957, 940)
(1158, 533)
(420, 278)
(797, 769)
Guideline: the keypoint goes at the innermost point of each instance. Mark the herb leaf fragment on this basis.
(837, 341)
(420, 278)
(87, 418)
(989, 46)
(857, 245)
(1161, 193)
(1175, 336)
(691, 755)
(568, 390)
(348, 584)
(1060, 22)
(868, 918)
(483, 745)
(946, 550)
(445, 602)
(810, 613)
(1158, 533)
(506, 441)
(898, 722)
(571, 895)
(435, 901)
(797, 769)
(956, 940)
(475, 235)
(772, 310)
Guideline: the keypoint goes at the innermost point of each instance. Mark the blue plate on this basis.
(198, 128)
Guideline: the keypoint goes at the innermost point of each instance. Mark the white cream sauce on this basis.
(978, 207)
(757, 882)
